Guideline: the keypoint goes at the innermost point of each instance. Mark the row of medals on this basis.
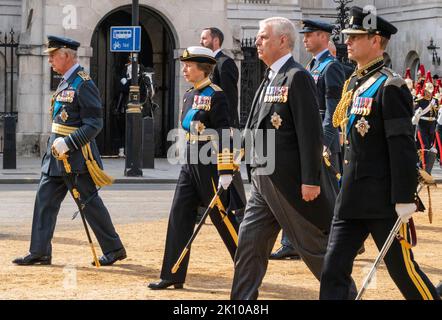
(276, 94)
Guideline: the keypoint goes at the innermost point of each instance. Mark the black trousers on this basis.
(346, 238)
(196, 186)
(50, 194)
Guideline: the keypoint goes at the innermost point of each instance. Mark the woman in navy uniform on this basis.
(205, 118)
(379, 180)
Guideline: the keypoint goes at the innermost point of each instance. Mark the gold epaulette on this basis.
(225, 161)
(215, 87)
(84, 75)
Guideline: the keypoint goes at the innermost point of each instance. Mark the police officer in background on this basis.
(379, 181)
(329, 77)
(77, 118)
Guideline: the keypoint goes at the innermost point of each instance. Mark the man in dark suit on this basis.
(379, 181)
(226, 73)
(77, 118)
(286, 184)
(329, 77)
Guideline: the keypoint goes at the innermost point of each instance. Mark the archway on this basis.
(412, 61)
(107, 68)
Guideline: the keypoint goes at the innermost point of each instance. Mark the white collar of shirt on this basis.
(216, 52)
(320, 54)
(69, 73)
(277, 65)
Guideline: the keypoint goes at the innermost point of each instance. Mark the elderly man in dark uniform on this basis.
(292, 195)
(329, 77)
(77, 117)
(379, 179)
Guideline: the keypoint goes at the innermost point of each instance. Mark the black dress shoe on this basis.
(285, 253)
(164, 284)
(112, 257)
(439, 289)
(31, 259)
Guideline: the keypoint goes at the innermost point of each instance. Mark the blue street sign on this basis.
(125, 39)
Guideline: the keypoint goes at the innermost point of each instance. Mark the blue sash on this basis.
(58, 104)
(369, 93)
(323, 65)
(190, 115)
(316, 73)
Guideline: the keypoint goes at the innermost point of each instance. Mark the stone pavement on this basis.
(28, 171)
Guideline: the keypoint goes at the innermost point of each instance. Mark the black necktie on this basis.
(312, 64)
(257, 106)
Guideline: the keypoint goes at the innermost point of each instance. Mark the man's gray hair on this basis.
(281, 26)
(70, 52)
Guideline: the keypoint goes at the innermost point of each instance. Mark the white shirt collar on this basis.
(320, 54)
(277, 65)
(68, 73)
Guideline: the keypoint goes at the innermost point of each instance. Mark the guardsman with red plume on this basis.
(425, 117)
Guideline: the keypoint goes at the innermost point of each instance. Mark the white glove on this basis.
(417, 116)
(405, 211)
(60, 146)
(225, 180)
(123, 81)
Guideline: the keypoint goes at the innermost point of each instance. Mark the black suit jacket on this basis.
(226, 76)
(380, 167)
(298, 142)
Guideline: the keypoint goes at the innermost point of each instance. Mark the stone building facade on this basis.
(168, 27)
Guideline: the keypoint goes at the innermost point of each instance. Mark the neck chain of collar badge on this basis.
(340, 118)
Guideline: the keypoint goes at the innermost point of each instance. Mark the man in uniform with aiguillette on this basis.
(77, 118)
(380, 177)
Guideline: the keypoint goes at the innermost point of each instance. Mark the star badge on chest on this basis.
(276, 120)
(199, 127)
(362, 126)
(64, 115)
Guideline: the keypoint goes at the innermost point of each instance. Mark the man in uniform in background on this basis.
(77, 118)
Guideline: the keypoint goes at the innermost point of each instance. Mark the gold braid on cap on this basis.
(340, 118)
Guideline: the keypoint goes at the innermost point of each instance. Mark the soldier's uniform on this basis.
(205, 118)
(426, 128)
(329, 77)
(76, 114)
(379, 172)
